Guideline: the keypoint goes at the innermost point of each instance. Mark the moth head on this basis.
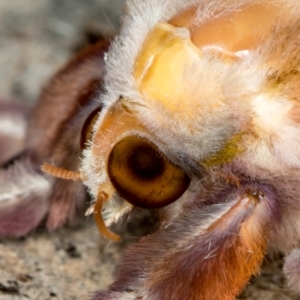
(178, 99)
(170, 103)
(131, 162)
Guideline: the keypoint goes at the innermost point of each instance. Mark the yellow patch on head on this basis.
(160, 67)
(230, 150)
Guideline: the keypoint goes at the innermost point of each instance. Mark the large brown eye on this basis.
(87, 128)
(143, 176)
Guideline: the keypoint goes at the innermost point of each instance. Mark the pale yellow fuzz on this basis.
(160, 67)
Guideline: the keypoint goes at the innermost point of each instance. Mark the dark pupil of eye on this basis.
(145, 162)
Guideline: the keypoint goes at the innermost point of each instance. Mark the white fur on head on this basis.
(237, 87)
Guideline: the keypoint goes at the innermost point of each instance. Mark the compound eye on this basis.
(87, 128)
(143, 176)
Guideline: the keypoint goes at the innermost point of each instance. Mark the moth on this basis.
(192, 111)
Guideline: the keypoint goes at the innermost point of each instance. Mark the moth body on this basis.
(192, 111)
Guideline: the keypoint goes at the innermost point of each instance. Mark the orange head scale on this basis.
(199, 117)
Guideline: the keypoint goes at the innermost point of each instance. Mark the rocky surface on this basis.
(37, 37)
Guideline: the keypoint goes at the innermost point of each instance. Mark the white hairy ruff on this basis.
(90, 164)
(278, 143)
(232, 86)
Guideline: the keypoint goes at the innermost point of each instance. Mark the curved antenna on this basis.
(61, 173)
(101, 199)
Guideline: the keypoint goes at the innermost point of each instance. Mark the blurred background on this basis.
(36, 38)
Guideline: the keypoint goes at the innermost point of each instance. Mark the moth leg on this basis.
(207, 253)
(23, 198)
(55, 125)
(24, 191)
(75, 91)
(51, 133)
(291, 270)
